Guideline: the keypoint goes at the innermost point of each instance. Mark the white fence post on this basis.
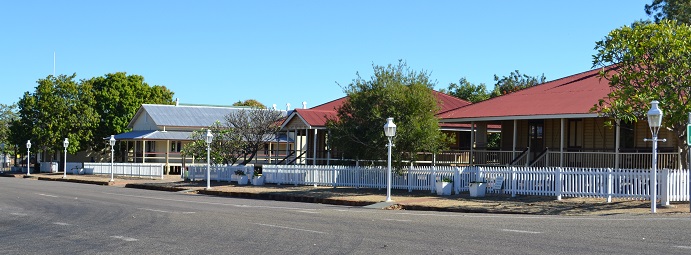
(664, 186)
(609, 185)
(410, 179)
(457, 180)
(558, 183)
(333, 176)
(513, 182)
(432, 181)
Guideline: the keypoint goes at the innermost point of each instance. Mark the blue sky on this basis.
(278, 52)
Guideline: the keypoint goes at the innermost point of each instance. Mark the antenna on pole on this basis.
(53, 63)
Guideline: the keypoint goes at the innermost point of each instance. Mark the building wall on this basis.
(144, 122)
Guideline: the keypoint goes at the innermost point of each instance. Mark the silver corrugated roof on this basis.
(186, 115)
(154, 135)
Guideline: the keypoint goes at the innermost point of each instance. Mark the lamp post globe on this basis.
(209, 137)
(28, 157)
(112, 155)
(65, 144)
(389, 132)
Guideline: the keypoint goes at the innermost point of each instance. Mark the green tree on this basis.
(393, 91)
(646, 62)
(251, 103)
(468, 91)
(8, 115)
(59, 108)
(515, 82)
(679, 10)
(118, 97)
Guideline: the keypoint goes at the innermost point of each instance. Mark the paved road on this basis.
(42, 217)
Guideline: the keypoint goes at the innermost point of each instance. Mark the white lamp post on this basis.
(64, 167)
(112, 152)
(4, 157)
(390, 132)
(654, 122)
(209, 138)
(28, 158)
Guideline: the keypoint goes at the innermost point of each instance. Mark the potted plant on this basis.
(478, 188)
(258, 179)
(444, 186)
(241, 177)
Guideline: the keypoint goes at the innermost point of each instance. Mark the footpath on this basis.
(403, 200)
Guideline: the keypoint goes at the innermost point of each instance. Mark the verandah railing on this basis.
(545, 181)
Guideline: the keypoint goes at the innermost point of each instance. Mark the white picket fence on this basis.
(217, 172)
(125, 169)
(546, 181)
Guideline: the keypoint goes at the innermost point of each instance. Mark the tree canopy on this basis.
(59, 108)
(393, 91)
(255, 127)
(226, 146)
(84, 112)
(467, 91)
(506, 84)
(679, 10)
(652, 61)
(515, 82)
(240, 136)
(251, 103)
(8, 114)
(118, 96)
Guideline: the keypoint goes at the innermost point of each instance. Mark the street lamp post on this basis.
(112, 156)
(4, 156)
(390, 132)
(209, 138)
(64, 166)
(28, 158)
(654, 122)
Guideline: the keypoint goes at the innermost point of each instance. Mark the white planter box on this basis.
(477, 189)
(241, 179)
(258, 180)
(444, 188)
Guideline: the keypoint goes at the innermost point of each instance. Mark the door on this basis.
(536, 138)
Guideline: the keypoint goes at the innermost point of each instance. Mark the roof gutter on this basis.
(524, 117)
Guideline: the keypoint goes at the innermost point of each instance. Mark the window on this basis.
(627, 138)
(175, 146)
(575, 133)
(150, 146)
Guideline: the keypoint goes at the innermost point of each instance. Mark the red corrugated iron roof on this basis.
(575, 94)
(317, 116)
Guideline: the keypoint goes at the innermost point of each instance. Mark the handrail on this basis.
(284, 159)
(296, 158)
(523, 154)
(539, 157)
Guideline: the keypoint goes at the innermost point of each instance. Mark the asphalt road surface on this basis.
(43, 217)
